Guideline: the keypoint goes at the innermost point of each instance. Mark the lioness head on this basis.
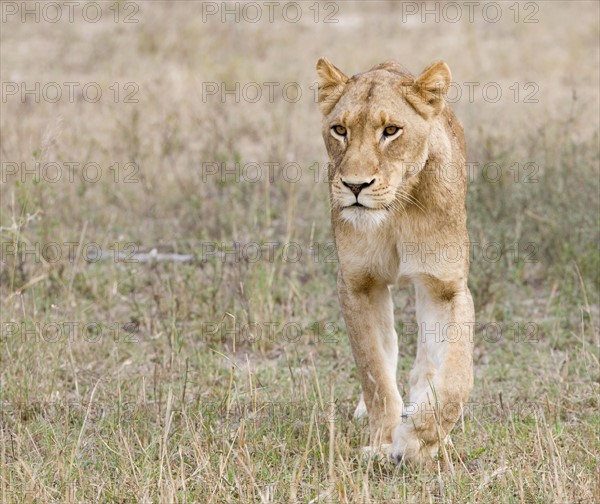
(376, 127)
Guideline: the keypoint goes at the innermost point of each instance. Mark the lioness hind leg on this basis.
(361, 409)
(442, 378)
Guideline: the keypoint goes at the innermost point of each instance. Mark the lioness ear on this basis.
(332, 82)
(431, 87)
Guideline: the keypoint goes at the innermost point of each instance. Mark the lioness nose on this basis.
(356, 188)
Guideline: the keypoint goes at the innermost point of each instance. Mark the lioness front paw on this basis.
(381, 453)
(408, 448)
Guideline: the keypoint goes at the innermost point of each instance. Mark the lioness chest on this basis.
(384, 255)
(395, 255)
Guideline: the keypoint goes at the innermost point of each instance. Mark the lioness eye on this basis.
(339, 129)
(390, 130)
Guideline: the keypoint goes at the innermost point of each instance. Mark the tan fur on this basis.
(411, 228)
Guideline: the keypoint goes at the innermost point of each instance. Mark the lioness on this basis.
(397, 184)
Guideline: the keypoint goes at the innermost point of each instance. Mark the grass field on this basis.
(170, 323)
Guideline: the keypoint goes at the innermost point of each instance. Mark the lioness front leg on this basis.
(442, 377)
(368, 312)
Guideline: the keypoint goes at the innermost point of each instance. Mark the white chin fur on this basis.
(362, 218)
